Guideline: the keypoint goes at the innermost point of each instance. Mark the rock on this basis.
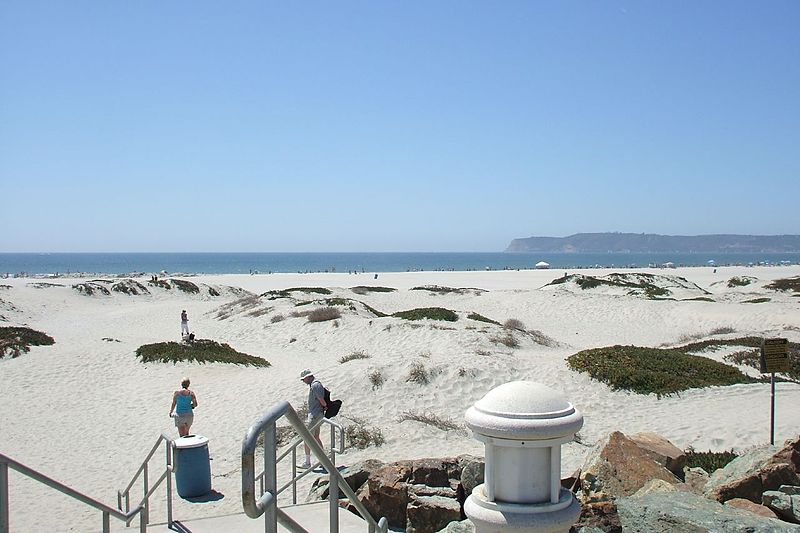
(573, 482)
(618, 467)
(386, 492)
(355, 476)
(790, 489)
(695, 479)
(654, 485)
(747, 505)
(668, 512)
(464, 526)
(786, 506)
(425, 490)
(597, 516)
(472, 475)
(662, 451)
(749, 475)
(428, 514)
(434, 472)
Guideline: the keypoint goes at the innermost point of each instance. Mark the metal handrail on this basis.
(267, 503)
(147, 490)
(108, 511)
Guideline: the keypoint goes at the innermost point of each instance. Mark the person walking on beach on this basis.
(184, 402)
(184, 323)
(316, 410)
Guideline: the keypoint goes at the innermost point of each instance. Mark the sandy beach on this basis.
(85, 410)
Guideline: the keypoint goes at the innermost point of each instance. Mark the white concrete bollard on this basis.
(522, 425)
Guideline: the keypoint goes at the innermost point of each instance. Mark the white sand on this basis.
(85, 411)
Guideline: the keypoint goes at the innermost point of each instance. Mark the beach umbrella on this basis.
(542, 264)
(712, 262)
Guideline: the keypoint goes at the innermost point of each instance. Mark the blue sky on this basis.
(393, 126)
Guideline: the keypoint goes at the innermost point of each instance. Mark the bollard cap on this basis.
(190, 441)
(524, 410)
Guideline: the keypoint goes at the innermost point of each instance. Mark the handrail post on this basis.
(169, 483)
(333, 487)
(294, 475)
(146, 509)
(270, 478)
(106, 522)
(3, 497)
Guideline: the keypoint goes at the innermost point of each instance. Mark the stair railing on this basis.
(267, 502)
(108, 511)
(147, 490)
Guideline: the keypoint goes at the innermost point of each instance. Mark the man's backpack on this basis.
(333, 406)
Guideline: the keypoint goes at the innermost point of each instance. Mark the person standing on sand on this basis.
(183, 404)
(316, 410)
(184, 323)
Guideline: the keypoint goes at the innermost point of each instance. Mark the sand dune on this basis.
(86, 411)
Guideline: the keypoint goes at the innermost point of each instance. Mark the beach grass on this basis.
(14, 341)
(709, 461)
(756, 301)
(361, 435)
(363, 289)
(431, 313)
(198, 351)
(785, 284)
(481, 318)
(432, 419)
(737, 281)
(287, 293)
(357, 354)
(185, 286)
(654, 370)
(322, 314)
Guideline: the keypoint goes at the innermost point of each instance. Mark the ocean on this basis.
(244, 263)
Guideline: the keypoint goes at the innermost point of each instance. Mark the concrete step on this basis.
(313, 517)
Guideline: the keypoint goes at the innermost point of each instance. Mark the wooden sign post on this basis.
(774, 358)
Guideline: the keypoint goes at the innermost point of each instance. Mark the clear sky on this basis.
(393, 125)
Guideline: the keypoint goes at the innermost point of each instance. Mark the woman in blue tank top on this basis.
(183, 403)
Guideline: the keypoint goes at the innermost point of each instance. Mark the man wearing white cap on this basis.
(316, 409)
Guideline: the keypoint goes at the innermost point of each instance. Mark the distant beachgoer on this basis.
(184, 323)
(316, 410)
(184, 402)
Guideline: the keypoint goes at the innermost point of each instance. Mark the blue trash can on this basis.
(193, 468)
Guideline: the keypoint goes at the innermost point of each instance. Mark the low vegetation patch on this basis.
(376, 379)
(241, 305)
(736, 281)
(37, 285)
(514, 324)
(90, 288)
(321, 314)
(185, 286)
(361, 435)
(160, 283)
(709, 461)
(129, 286)
(199, 351)
(752, 358)
(481, 318)
(432, 419)
(431, 313)
(357, 354)
(508, 340)
(362, 289)
(418, 374)
(756, 301)
(277, 318)
(698, 299)
(786, 284)
(654, 370)
(15, 341)
(438, 289)
(287, 293)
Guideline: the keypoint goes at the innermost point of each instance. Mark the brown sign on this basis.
(774, 355)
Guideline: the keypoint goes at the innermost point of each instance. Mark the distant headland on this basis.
(653, 243)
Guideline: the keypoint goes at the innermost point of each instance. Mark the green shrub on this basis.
(287, 293)
(438, 289)
(481, 318)
(653, 370)
(709, 461)
(739, 282)
(15, 341)
(756, 301)
(200, 351)
(431, 313)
